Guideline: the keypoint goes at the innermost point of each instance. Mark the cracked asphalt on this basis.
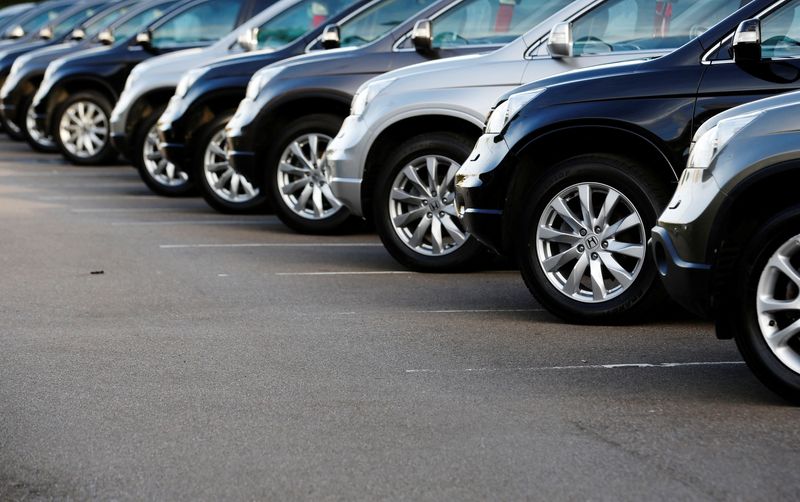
(151, 349)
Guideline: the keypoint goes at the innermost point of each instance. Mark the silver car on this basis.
(395, 158)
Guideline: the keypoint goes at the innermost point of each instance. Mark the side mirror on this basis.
(331, 37)
(77, 34)
(559, 43)
(15, 32)
(145, 40)
(422, 36)
(747, 42)
(46, 33)
(105, 37)
(248, 40)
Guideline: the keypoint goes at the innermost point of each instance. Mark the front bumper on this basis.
(345, 159)
(481, 188)
(171, 138)
(241, 134)
(688, 283)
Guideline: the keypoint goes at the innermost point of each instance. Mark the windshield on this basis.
(378, 20)
(67, 25)
(42, 19)
(296, 21)
(99, 23)
(135, 24)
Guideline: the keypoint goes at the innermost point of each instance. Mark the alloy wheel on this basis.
(223, 180)
(422, 206)
(162, 172)
(301, 178)
(591, 242)
(84, 129)
(12, 127)
(35, 134)
(778, 303)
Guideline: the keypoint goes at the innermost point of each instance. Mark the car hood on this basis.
(171, 66)
(39, 59)
(241, 64)
(332, 62)
(762, 105)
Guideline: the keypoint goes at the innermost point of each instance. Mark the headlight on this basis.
(51, 69)
(188, 80)
(260, 80)
(712, 141)
(15, 68)
(506, 110)
(366, 93)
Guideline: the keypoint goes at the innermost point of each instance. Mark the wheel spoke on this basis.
(328, 194)
(313, 143)
(559, 260)
(783, 264)
(403, 196)
(552, 235)
(405, 219)
(223, 180)
(302, 201)
(626, 248)
(599, 291)
(452, 229)
(780, 338)
(436, 236)
(768, 305)
(448, 184)
(234, 184)
(419, 234)
(573, 284)
(585, 197)
(411, 174)
(298, 152)
(217, 167)
(560, 207)
(619, 273)
(295, 186)
(432, 165)
(626, 223)
(316, 199)
(293, 170)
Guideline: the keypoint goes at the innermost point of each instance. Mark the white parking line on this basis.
(123, 210)
(192, 222)
(583, 367)
(56, 198)
(377, 272)
(464, 311)
(272, 245)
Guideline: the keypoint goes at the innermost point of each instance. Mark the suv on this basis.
(8, 15)
(192, 131)
(302, 102)
(27, 26)
(572, 171)
(57, 32)
(75, 99)
(429, 116)
(728, 246)
(153, 83)
(16, 95)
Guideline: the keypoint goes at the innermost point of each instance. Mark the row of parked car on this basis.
(552, 132)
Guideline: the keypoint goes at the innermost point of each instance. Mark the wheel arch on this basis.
(74, 85)
(145, 106)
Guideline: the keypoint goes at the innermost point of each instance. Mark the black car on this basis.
(572, 171)
(26, 27)
(26, 74)
(299, 105)
(728, 245)
(191, 131)
(57, 32)
(75, 98)
(9, 16)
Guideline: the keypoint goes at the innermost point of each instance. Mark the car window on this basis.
(100, 23)
(73, 21)
(41, 20)
(378, 20)
(481, 22)
(138, 22)
(780, 32)
(294, 22)
(207, 22)
(630, 25)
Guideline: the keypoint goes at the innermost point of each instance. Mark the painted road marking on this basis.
(272, 245)
(583, 367)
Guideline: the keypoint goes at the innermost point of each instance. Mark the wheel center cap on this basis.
(591, 242)
(434, 204)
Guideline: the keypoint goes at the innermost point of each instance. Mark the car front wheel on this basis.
(414, 204)
(160, 176)
(767, 305)
(37, 139)
(83, 129)
(582, 243)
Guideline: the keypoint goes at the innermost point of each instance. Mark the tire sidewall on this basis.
(26, 104)
(608, 170)
(747, 332)
(452, 146)
(318, 123)
(106, 154)
(139, 140)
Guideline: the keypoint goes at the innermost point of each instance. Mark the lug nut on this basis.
(583, 232)
(597, 230)
(605, 244)
(441, 214)
(581, 249)
(594, 256)
(772, 323)
(430, 215)
(434, 194)
(424, 202)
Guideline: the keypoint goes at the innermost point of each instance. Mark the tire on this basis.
(761, 280)
(81, 147)
(236, 194)
(35, 138)
(577, 250)
(11, 129)
(160, 176)
(414, 244)
(330, 215)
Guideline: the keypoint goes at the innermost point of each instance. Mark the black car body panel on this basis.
(36, 18)
(327, 82)
(106, 69)
(223, 86)
(651, 106)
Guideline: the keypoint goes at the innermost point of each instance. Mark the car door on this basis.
(621, 30)
(726, 84)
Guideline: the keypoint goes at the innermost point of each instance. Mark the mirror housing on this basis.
(46, 33)
(77, 34)
(15, 32)
(331, 37)
(145, 40)
(105, 37)
(248, 40)
(747, 42)
(422, 36)
(560, 43)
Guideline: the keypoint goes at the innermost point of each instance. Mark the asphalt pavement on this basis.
(152, 349)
